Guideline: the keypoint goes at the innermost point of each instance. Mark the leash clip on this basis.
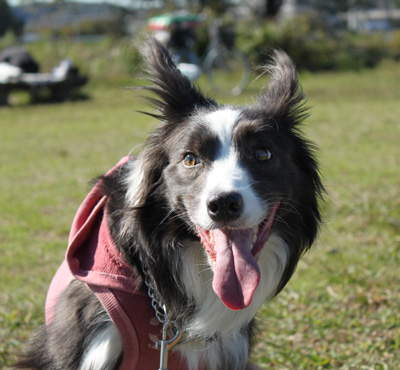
(164, 345)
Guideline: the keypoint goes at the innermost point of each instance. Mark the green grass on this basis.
(340, 310)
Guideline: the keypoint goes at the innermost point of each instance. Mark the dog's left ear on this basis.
(176, 97)
(284, 98)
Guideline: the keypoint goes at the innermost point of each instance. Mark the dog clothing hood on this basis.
(93, 258)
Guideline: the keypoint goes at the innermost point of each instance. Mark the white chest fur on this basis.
(213, 318)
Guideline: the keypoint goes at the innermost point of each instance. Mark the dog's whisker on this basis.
(205, 270)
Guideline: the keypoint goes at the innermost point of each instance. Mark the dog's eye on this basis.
(191, 160)
(263, 155)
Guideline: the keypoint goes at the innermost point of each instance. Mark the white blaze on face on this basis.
(227, 174)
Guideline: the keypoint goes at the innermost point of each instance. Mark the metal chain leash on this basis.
(156, 302)
(164, 345)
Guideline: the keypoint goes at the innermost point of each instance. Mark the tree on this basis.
(272, 7)
(5, 17)
(217, 6)
(8, 22)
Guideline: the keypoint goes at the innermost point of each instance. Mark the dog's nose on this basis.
(225, 207)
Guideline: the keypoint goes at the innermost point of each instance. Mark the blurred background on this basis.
(67, 115)
(319, 35)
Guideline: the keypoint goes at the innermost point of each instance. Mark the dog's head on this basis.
(232, 176)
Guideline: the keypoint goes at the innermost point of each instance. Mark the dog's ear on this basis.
(284, 98)
(175, 99)
(175, 96)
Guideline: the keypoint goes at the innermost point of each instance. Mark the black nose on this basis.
(225, 207)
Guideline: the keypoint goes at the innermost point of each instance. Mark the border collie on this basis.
(195, 233)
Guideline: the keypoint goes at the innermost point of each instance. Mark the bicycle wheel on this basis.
(228, 71)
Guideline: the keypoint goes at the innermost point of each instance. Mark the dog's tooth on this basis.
(254, 238)
(255, 229)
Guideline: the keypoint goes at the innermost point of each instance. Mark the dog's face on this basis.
(228, 173)
(235, 175)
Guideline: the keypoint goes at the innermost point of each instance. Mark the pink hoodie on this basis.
(93, 258)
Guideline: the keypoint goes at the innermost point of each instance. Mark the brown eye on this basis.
(263, 155)
(191, 160)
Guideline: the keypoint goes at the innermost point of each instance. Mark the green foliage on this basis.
(107, 60)
(8, 39)
(314, 47)
(112, 28)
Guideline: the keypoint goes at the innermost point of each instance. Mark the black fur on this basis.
(159, 223)
(176, 97)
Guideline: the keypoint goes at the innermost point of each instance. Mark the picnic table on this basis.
(20, 71)
(61, 81)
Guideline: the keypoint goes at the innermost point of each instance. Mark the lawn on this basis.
(341, 310)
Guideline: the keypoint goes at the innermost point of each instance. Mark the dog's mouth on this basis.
(234, 255)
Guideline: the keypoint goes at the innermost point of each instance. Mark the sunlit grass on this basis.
(340, 310)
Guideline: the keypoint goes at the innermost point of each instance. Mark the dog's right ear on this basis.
(175, 96)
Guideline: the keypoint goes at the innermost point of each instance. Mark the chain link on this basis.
(158, 305)
(156, 302)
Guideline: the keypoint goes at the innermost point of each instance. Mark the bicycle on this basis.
(227, 69)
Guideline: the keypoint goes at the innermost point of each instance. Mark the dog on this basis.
(182, 244)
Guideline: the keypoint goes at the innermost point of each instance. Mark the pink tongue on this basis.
(236, 273)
